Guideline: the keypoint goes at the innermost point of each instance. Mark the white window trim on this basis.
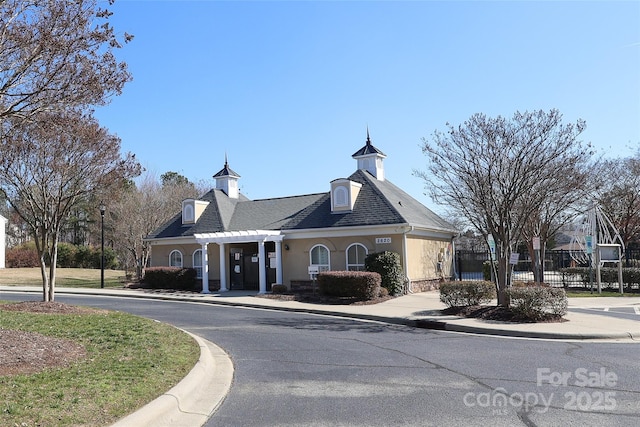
(323, 267)
(366, 252)
(197, 268)
(181, 258)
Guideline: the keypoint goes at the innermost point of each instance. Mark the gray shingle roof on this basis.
(367, 149)
(378, 203)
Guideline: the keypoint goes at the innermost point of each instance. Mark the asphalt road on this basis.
(295, 369)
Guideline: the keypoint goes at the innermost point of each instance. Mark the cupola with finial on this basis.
(227, 180)
(370, 159)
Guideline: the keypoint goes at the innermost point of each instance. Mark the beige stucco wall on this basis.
(424, 255)
(160, 256)
(296, 260)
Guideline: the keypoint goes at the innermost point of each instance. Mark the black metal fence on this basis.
(560, 269)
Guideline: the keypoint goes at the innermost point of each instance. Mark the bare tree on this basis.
(501, 174)
(618, 194)
(142, 208)
(55, 55)
(50, 164)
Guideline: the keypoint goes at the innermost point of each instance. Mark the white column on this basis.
(205, 269)
(262, 268)
(279, 262)
(223, 268)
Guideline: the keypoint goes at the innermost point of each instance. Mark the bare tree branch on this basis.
(507, 177)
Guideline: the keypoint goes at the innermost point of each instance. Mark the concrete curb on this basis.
(194, 399)
(452, 327)
(449, 324)
(192, 402)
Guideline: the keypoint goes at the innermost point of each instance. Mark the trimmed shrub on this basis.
(84, 257)
(354, 284)
(530, 284)
(66, 255)
(22, 256)
(110, 258)
(462, 294)
(183, 279)
(387, 265)
(278, 289)
(537, 302)
(384, 292)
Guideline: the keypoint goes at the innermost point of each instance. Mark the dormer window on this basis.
(191, 210)
(343, 195)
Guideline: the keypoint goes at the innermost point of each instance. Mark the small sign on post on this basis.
(313, 272)
(492, 247)
(513, 259)
(536, 243)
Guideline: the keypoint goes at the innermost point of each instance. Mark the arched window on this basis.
(320, 256)
(175, 259)
(356, 254)
(340, 196)
(188, 214)
(197, 262)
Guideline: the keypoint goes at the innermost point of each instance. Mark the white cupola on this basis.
(227, 181)
(370, 159)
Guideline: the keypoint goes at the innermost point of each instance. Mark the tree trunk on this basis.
(45, 279)
(502, 280)
(52, 268)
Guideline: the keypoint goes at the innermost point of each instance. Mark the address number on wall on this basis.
(382, 240)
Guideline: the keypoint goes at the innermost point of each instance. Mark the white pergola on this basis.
(245, 236)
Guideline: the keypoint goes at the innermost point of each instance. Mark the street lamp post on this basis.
(102, 211)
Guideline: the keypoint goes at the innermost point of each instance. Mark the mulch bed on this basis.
(29, 352)
(497, 313)
(311, 298)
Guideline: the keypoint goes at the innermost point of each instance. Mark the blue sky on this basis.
(287, 89)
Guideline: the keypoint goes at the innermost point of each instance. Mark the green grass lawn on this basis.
(130, 361)
(65, 277)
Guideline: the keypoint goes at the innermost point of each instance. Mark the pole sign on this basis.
(536, 243)
(513, 259)
(589, 242)
(492, 246)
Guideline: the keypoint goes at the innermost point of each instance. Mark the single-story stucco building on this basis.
(237, 243)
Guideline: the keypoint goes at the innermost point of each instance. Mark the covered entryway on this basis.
(254, 258)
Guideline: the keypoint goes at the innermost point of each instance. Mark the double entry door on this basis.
(244, 264)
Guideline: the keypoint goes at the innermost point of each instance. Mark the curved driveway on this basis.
(294, 369)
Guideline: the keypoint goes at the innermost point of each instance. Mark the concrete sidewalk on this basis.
(418, 310)
(213, 374)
